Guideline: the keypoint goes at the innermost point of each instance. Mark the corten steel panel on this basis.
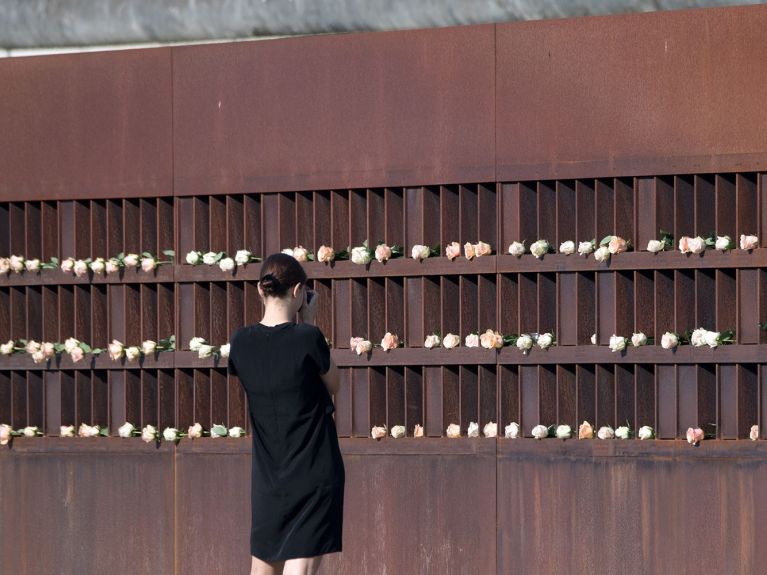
(628, 507)
(86, 125)
(670, 92)
(212, 500)
(362, 110)
(417, 506)
(86, 506)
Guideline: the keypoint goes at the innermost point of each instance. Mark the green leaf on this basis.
(121, 256)
(85, 347)
(605, 240)
(171, 253)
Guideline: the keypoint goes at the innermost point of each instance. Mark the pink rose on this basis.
(148, 264)
(194, 431)
(617, 245)
(585, 431)
(694, 436)
(754, 433)
(77, 354)
(378, 432)
(383, 252)
(389, 341)
(453, 250)
(472, 340)
(418, 431)
(68, 265)
(749, 242)
(468, 250)
(482, 249)
(325, 254)
(684, 245)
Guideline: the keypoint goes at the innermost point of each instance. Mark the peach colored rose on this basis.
(468, 251)
(383, 253)
(301, 254)
(116, 350)
(694, 435)
(754, 433)
(418, 431)
(491, 340)
(77, 354)
(748, 242)
(472, 340)
(325, 254)
(378, 432)
(617, 245)
(684, 244)
(585, 431)
(453, 250)
(389, 341)
(363, 346)
(482, 249)
(453, 431)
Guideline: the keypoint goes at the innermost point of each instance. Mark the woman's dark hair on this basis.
(279, 273)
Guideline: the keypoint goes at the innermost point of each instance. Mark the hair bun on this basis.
(270, 284)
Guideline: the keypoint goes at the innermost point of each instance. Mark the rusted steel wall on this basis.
(565, 130)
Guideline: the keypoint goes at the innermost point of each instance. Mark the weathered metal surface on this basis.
(669, 93)
(337, 111)
(86, 125)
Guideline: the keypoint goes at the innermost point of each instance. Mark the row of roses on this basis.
(76, 349)
(585, 431)
(80, 267)
(699, 337)
(149, 433)
(489, 340)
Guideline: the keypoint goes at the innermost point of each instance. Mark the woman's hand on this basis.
(308, 310)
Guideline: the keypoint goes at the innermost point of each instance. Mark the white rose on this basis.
(67, 431)
(698, 337)
(517, 249)
(149, 347)
(98, 266)
(567, 248)
(564, 432)
(753, 434)
(301, 254)
(545, 340)
(361, 256)
(68, 265)
(617, 343)
(149, 433)
(242, 257)
(132, 353)
(32, 265)
(419, 252)
(288, 252)
(669, 340)
(638, 339)
(585, 248)
(30, 431)
(170, 434)
(540, 431)
(524, 343)
(623, 432)
(148, 264)
(112, 266)
(17, 264)
(224, 350)
(70, 344)
(749, 242)
(115, 349)
(655, 246)
(209, 258)
(195, 343)
(453, 431)
(5, 265)
(473, 430)
(80, 268)
(193, 258)
(606, 432)
(6, 433)
(602, 254)
(226, 264)
(126, 430)
(363, 346)
(131, 260)
(490, 429)
(236, 432)
(472, 340)
(711, 338)
(7, 348)
(194, 431)
(645, 432)
(696, 245)
(38, 357)
(593, 339)
(539, 248)
(398, 431)
(219, 430)
(450, 341)
(723, 243)
(511, 431)
(431, 341)
(205, 351)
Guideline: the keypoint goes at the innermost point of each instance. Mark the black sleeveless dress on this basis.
(297, 483)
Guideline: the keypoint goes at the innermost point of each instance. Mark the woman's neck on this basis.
(275, 314)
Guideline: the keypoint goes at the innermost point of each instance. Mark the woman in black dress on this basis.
(297, 483)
